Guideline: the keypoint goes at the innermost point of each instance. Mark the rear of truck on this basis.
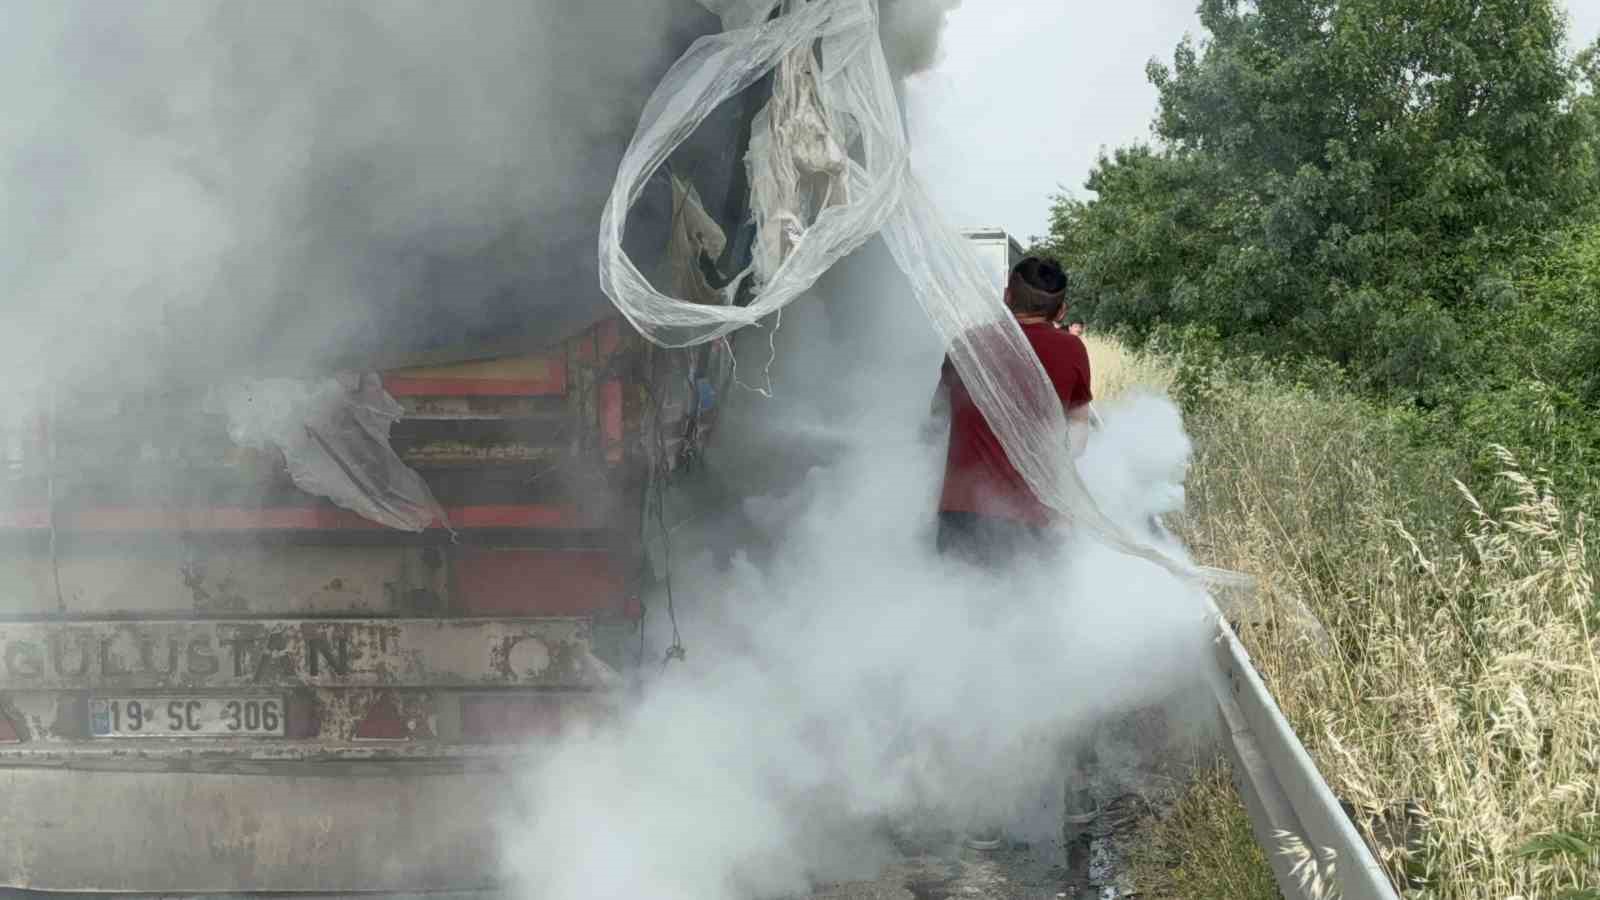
(216, 679)
(212, 680)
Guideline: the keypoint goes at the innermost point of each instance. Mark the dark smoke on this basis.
(911, 31)
(275, 186)
(279, 184)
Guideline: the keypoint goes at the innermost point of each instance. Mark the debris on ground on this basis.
(1144, 754)
(938, 866)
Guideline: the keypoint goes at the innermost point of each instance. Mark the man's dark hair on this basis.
(1038, 287)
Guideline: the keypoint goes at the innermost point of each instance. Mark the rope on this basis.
(772, 358)
(656, 502)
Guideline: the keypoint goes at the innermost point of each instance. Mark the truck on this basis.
(300, 698)
(998, 250)
(225, 669)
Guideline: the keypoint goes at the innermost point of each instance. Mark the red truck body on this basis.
(323, 704)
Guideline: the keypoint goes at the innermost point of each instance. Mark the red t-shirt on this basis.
(978, 478)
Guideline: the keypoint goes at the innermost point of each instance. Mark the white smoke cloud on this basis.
(201, 184)
(184, 180)
(844, 673)
(194, 182)
(911, 31)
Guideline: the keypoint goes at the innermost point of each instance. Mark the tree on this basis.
(1338, 177)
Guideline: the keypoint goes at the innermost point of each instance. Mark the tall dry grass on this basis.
(1451, 695)
(1202, 846)
(1116, 369)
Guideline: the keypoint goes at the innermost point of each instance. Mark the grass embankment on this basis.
(1451, 695)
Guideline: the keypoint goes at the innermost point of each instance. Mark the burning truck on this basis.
(329, 470)
(284, 621)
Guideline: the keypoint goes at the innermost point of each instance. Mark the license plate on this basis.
(186, 717)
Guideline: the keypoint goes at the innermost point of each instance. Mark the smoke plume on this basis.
(199, 184)
(840, 675)
(193, 183)
(911, 31)
(196, 187)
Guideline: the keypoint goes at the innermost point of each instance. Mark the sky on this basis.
(1072, 73)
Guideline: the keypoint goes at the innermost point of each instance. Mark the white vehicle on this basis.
(998, 249)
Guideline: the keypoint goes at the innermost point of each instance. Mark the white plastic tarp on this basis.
(334, 436)
(858, 106)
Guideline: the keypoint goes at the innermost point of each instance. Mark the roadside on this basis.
(1147, 759)
(937, 866)
(1462, 625)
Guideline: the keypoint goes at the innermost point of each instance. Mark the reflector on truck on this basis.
(8, 730)
(385, 721)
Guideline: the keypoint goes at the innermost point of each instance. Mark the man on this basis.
(987, 513)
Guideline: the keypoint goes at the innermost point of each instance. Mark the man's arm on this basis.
(1066, 361)
(938, 415)
(1078, 425)
(939, 408)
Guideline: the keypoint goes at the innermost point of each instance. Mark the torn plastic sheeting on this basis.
(961, 299)
(796, 164)
(740, 13)
(695, 234)
(714, 69)
(334, 437)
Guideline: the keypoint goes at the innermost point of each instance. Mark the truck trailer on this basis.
(311, 661)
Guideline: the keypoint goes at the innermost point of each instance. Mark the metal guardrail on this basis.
(1292, 810)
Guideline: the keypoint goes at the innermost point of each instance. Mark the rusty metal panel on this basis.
(537, 582)
(112, 522)
(172, 578)
(322, 728)
(477, 407)
(379, 830)
(612, 426)
(441, 453)
(543, 373)
(159, 655)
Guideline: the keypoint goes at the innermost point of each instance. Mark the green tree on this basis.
(1339, 178)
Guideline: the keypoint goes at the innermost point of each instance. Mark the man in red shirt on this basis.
(987, 513)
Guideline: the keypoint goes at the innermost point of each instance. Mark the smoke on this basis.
(910, 30)
(839, 672)
(195, 183)
(197, 186)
